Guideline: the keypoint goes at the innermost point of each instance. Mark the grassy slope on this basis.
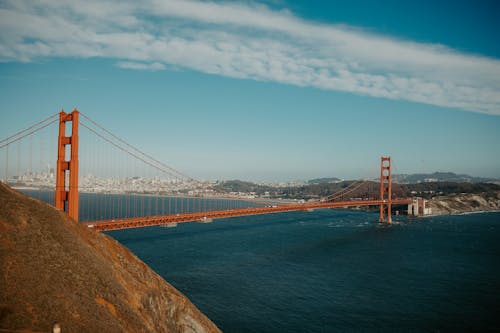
(52, 269)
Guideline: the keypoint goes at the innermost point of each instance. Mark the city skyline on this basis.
(274, 90)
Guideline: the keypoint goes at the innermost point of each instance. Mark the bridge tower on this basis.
(66, 196)
(385, 189)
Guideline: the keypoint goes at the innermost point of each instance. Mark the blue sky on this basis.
(272, 90)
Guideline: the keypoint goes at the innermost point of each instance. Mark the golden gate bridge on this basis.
(129, 211)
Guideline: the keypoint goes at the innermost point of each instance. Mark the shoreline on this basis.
(462, 213)
(180, 196)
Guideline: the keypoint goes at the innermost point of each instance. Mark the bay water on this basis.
(333, 271)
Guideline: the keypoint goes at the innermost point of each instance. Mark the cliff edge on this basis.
(465, 203)
(54, 270)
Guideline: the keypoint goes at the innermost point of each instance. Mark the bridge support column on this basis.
(66, 195)
(385, 190)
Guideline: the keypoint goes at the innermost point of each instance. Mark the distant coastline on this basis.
(465, 203)
(463, 213)
(448, 204)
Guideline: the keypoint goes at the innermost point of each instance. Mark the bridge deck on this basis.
(138, 222)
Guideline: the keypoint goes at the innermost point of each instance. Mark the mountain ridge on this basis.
(440, 176)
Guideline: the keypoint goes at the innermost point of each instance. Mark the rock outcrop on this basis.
(54, 270)
(464, 203)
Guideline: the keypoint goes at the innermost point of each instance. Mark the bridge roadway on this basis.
(172, 219)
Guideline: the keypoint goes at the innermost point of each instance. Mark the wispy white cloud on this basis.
(155, 66)
(249, 40)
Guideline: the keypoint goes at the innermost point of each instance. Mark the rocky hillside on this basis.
(467, 202)
(53, 270)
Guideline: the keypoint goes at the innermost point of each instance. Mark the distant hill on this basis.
(55, 270)
(431, 189)
(368, 190)
(323, 180)
(440, 177)
(420, 178)
(242, 186)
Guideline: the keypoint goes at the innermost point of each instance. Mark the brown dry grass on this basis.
(52, 269)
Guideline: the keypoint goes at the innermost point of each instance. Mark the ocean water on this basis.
(333, 271)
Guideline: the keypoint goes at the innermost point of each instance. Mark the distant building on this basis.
(419, 207)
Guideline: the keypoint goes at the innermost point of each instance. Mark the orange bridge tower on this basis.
(66, 196)
(385, 189)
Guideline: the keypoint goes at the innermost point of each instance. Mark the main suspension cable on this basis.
(13, 139)
(28, 128)
(345, 191)
(128, 151)
(173, 171)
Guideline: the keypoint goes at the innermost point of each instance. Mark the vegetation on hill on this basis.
(244, 187)
(440, 177)
(323, 180)
(368, 190)
(431, 189)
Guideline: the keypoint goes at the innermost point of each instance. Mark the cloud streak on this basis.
(249, 41)
(155, 66)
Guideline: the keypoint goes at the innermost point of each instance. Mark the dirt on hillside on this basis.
(54, 270)
(465, 203)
